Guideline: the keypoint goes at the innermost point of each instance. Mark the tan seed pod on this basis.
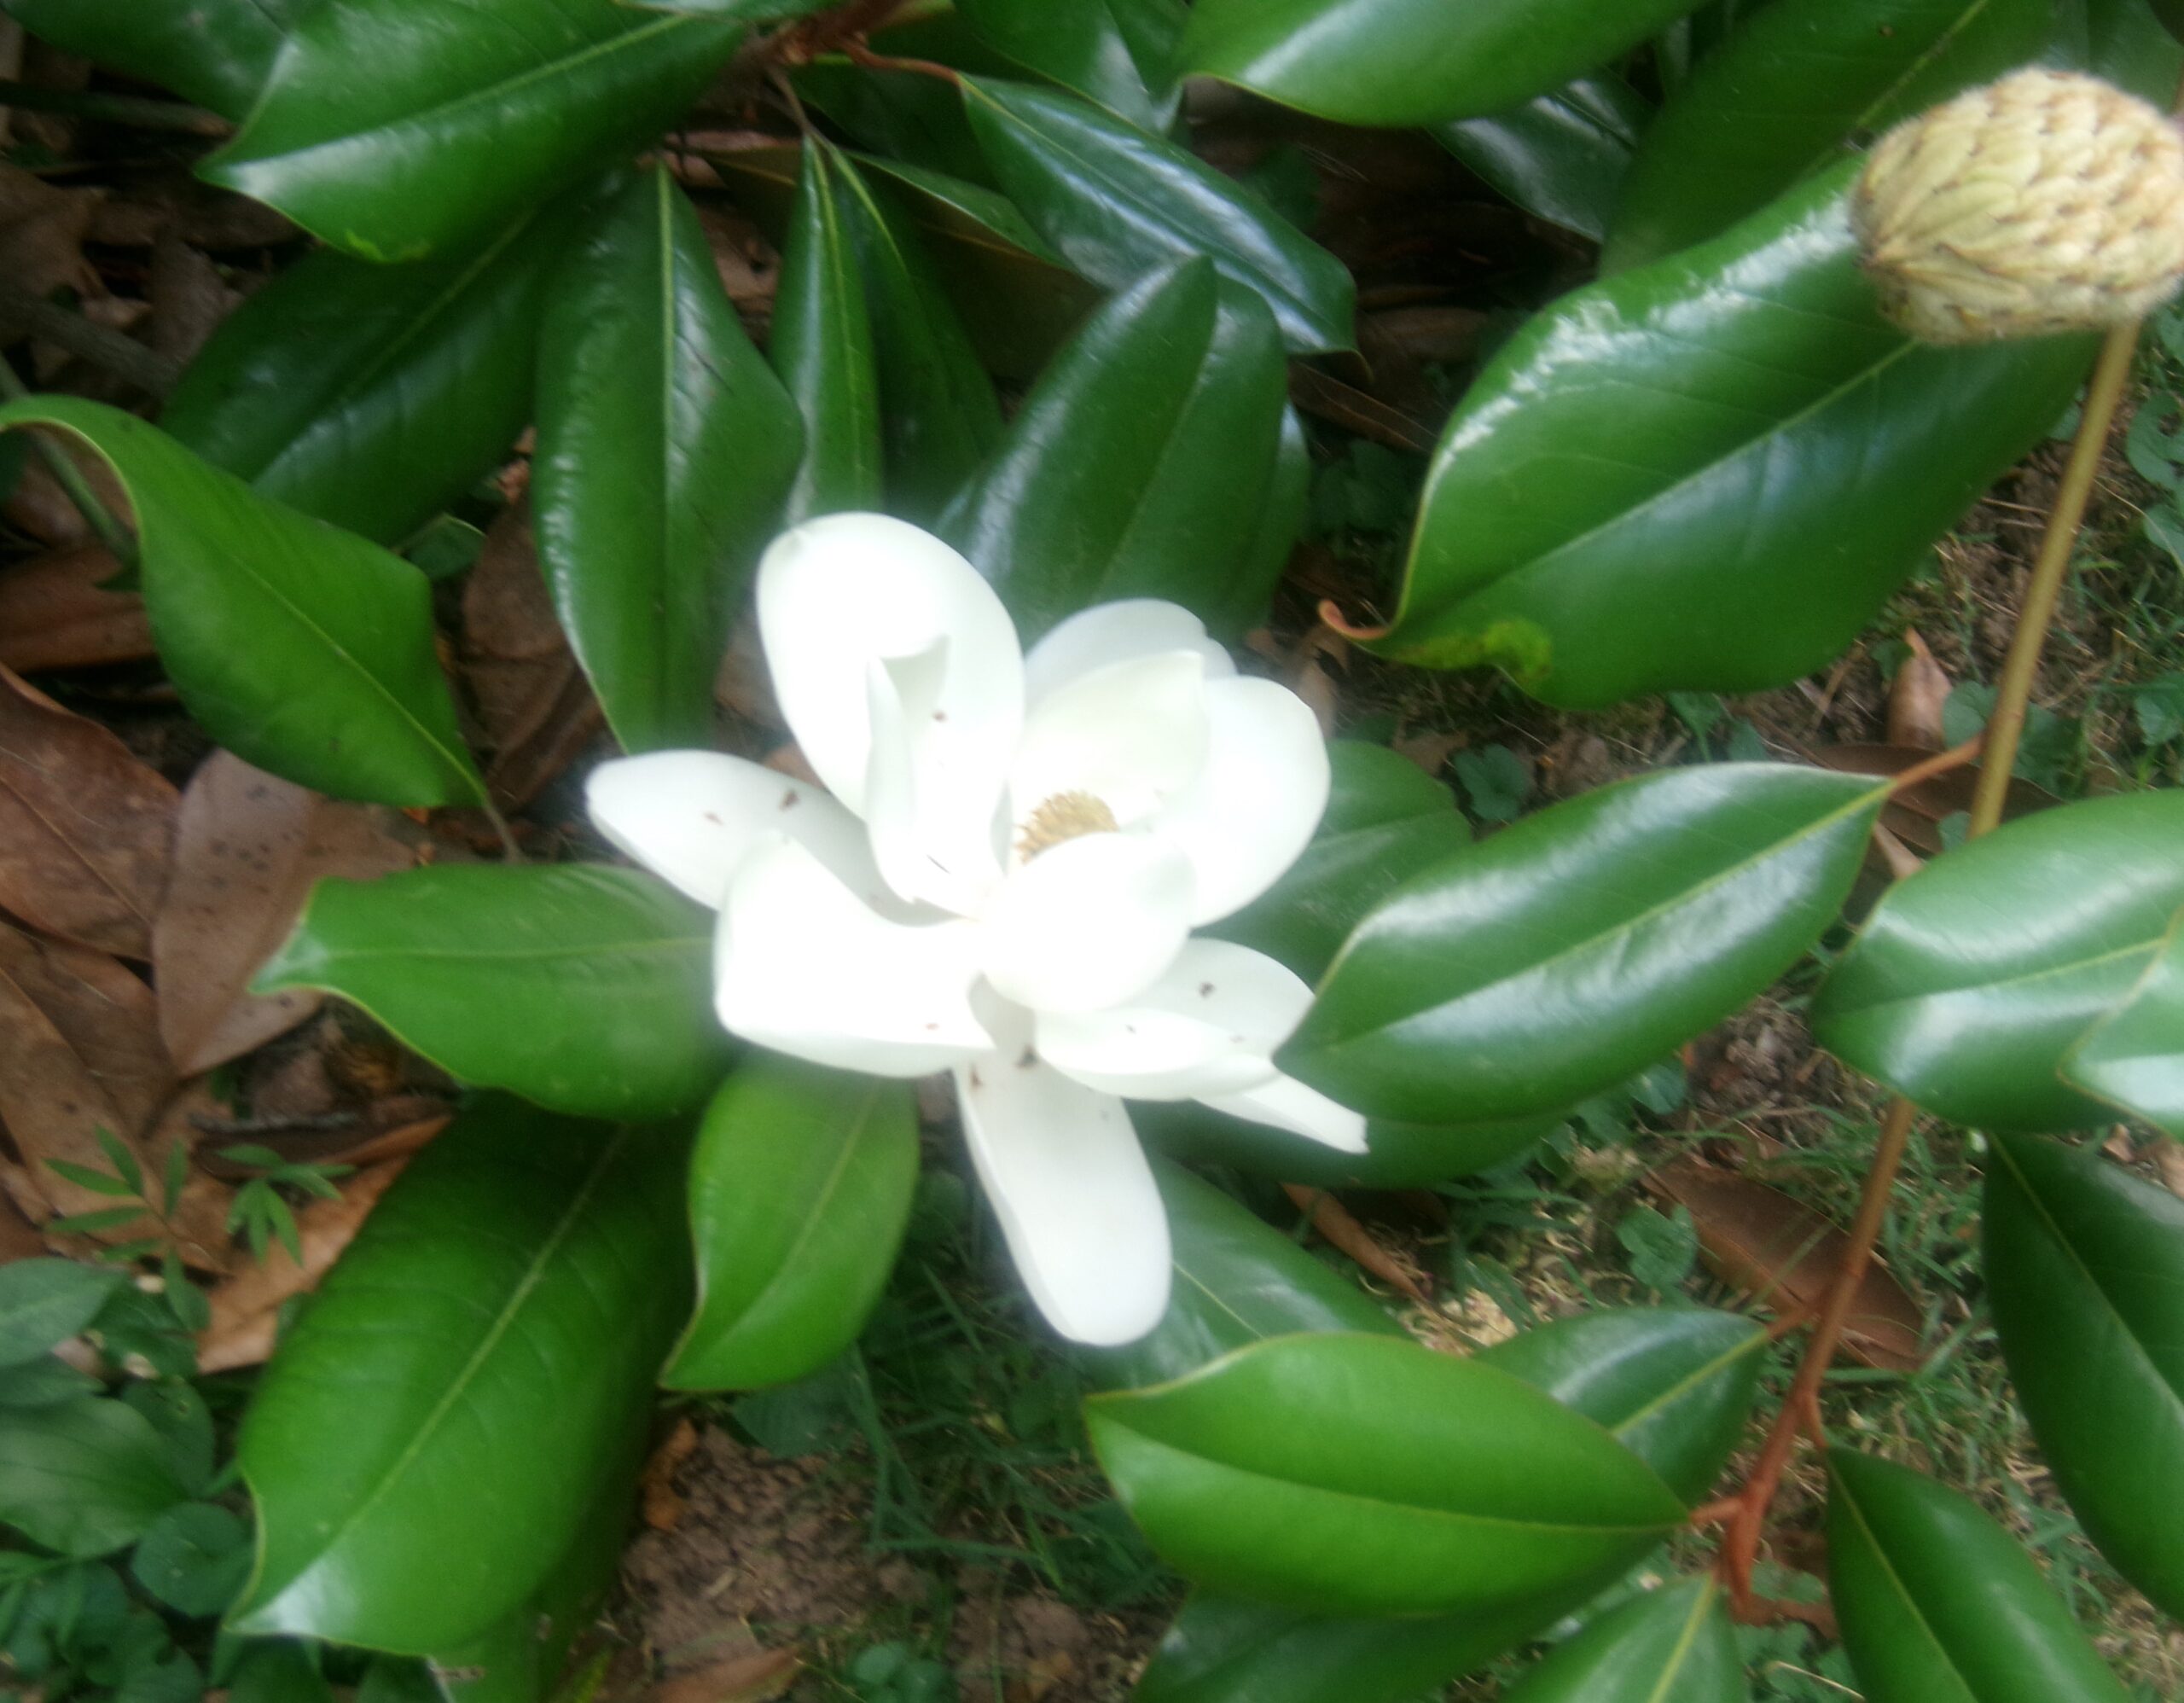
(2049, 201)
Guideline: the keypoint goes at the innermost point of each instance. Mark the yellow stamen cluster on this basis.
(2049, 201)
(1063, 816)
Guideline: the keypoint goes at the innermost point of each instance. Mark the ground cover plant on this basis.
(743, 805)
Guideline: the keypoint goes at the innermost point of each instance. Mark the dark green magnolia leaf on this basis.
(485, 1352)
(2171, 14)
(280, 1671)
(938, 411)
(1117, 203)
(2134, 1058)
(1561, 157)
(1972, 1021)
(372, 396)
(822, 348)
(1709, 472)
(1397, 1156)
(1082, 47)
(1398, 62)
(298, 646)
(1238, 1281)
(665, 445)
(45, 1301)
(1939, 1604)
(2133, 44)
(214, 52)
(1566, 953)
(585, 989)
(1674, 1643)
(1365, 1474)
(800, 1190)
(392, 132)
(744, 11)
(900, 116)
(1386, 820)
(1674, 1385)
(194, 1557)
(85, 1477)
(2085, 1273)
(1170, 403)
(1790, 90)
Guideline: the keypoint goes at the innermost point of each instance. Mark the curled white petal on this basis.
(1209, 1025)
(1260, 793)
(692, 817)
(935, 835)
(1087, 923)
(1132, 734)
(801, 965)
(1069, 1184)
(839, 593)
(1122, 631)
(1288, 1104)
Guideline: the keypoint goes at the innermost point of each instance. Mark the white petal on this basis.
(836, 595)
(935, 841)
(1288, 1104)
(1087, 923)
(1259, 795)
(1117, 633)
(692, 817)
(1132, 734)
(1208, 1026)
(804, 966)
(1070, 1186)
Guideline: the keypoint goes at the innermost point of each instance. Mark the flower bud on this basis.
(2048, 201)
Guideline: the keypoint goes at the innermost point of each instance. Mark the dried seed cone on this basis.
(2048, 201)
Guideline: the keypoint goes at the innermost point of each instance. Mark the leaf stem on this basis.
(96, 515)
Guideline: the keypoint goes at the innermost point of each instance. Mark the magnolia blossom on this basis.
(1000, 878)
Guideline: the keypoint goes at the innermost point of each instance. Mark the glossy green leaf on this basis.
(298, 646)
(214, 52)
(900, 116)
(1386, 820)
(194, 1557)
(939, 415)
(1139, 464)
(585, 989)
(1707, 474)
(484, 1353)
(392, 131)
(821, 347)
(2085, 1274)
(1567, 952)
(1397, 1156)
(1117, 203)
(1561, 156)
(1401, 62)
(1940, 1605)
(1238, 1281)
(800, 1188)
(1973, 1021)
(1366, 1475)
(1081, 47)
(2171, 14)
(46, 1301)
(1672, 1643)
(83, 1477)
(373, 396)
(1674, 1385)
(665, 445)
(2134, 1058)
(744, 11)
(1790, 90)
(2135, 45)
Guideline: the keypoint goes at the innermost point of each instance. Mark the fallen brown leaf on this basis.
(85, 829)
(1332, 1220)
(53, 613)
(245, 1308)
(742, 1679)
(2169, 1162)
(39, 507)
(661, 1504)
(536, 707)
(248, 846)
(189, 297)
(1785, 1257)
(42, 233)
(1322, 394)
(18, 1237)
(1916, 699)
(1429, 751)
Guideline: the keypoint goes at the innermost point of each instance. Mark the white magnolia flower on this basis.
(1001, 879)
